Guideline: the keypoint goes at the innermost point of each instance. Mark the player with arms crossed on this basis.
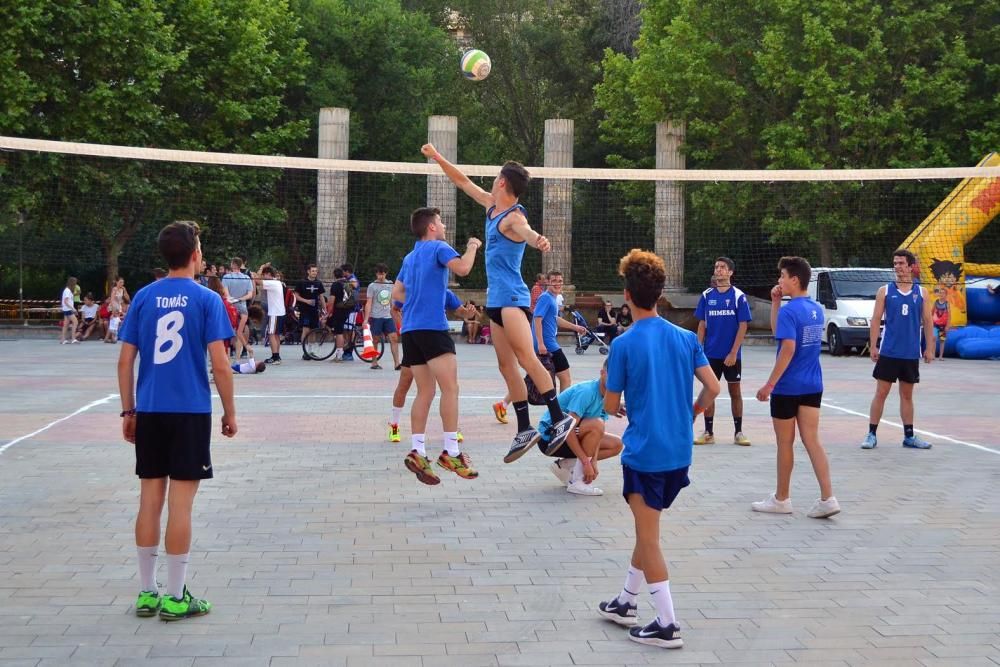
(654, 364)
(508, 298)
(906, 307)
(428, 350)
(169, 415)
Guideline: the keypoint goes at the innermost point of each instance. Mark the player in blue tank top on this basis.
(508, 298)
(168, 417)
(653, 364)
(795, 388)
(907, 307)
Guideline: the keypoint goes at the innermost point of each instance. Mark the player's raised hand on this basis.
(428, 150)
(474, 244)
(543, 244)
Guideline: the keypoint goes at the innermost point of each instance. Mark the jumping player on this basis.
(654, 365)
(169, 415)
(723, 313)
(795, 388)
(508, 298)
(907, 307)
(428, 349)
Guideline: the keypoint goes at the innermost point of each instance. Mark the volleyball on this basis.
(475, 65)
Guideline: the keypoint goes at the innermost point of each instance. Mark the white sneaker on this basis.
(582, 489)
(74, 342)
(772, 505)
(824, 509)
(562, 469)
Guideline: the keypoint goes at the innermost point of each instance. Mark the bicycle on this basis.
(321, 343)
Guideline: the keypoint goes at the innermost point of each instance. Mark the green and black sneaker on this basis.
(172, 609)
(148, 604)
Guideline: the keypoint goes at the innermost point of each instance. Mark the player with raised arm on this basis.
(508, 298)
(429, 351)
(168, 416)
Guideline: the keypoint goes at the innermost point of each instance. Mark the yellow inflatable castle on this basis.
(939, 241)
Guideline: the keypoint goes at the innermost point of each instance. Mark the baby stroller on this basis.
(585, 340)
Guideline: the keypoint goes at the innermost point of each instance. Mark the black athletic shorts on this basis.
(422, 345)
(337, 320)
(785, 406)
(495, 314)
(559, 361)
(891, 369)
(732, 373)
(174, 445)
(564, 451)
(309, 317)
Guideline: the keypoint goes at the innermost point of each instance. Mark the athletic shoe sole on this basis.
(515, 454)
(661, 643)
(146, 613)
(624, 621)
(560, 431)
(421, 474)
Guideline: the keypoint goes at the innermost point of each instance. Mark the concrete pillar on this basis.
(331, 196)
(557, 211)
(669, 217)
(442, 131)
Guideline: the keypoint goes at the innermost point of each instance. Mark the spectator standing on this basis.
(378, 313)
(274, 293)
(537, 289)
(309, 295)
(343, 305)
(68, 313)
(241, 292)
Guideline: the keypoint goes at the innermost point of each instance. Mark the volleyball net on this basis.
(88, 210)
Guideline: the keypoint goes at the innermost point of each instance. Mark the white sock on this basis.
(633, 584)
(338, 353)
(663, 602)
(396, 414)
(147, 569)
(451, 443)
(177, 565)
(417, 440)
(577, 474)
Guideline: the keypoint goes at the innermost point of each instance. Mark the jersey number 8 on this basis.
(168, 339)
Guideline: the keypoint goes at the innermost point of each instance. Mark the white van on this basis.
(848, 299)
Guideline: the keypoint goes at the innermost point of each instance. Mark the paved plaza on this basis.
(316, 546)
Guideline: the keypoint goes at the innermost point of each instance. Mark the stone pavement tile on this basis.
(231, 662)
(385, 661)
(38, 652)
(339, 661)
(110, 652)
(829, 654)
(19, 662)
(965, 662)
(410, 649)
(540, 659)
(480, 648)
(28, 640)
(727, 657)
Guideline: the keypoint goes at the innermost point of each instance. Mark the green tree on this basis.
(803, 85)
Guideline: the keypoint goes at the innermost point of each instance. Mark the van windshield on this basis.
(860, 284)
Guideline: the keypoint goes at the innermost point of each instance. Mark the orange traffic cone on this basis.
(369, 352)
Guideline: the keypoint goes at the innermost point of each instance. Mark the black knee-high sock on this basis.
(738, 422)
(709, 423)
(523, 420)
(555, 410)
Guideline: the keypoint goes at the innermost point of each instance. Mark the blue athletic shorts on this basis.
(658, 489)
(382, 326)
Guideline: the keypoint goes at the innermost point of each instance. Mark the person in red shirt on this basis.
(537, 290)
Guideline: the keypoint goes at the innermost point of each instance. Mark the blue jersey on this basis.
(722, 313)
(425, 275)
(801, 320)
(171, 322)
(584, 400)
(546, 309)
(504, 284)
(904, 313)
(653, 363)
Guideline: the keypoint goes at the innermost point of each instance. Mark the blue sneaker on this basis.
(914, 442)
(870, 442)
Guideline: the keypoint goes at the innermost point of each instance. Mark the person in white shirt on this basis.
(88, 318)
(274, 291)
(68, 313)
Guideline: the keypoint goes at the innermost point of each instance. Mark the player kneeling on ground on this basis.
(587, 443)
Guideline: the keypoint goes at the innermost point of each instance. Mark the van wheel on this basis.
(834, 340)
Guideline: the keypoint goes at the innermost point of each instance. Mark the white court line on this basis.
(916, 430)
(493, 398)
(61, 419)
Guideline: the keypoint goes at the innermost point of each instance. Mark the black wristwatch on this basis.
(128, 413)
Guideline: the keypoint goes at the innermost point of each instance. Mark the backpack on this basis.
(349, 300)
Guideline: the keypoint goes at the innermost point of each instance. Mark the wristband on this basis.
(128, 413)
(698, 409)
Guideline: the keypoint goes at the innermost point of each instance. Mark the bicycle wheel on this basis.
(320, 344)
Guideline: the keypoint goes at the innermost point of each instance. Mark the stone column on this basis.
(331, 196)
(442, 131)
(557, 211)
(669, 217)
